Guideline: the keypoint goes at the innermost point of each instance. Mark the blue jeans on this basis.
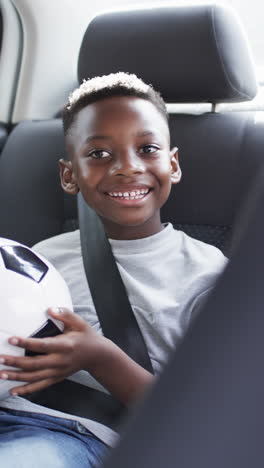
(33, 440)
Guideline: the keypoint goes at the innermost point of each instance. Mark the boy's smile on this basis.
(120, 160)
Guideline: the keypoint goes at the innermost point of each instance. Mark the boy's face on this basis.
(120, 159)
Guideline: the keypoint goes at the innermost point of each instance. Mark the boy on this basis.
(119, 157)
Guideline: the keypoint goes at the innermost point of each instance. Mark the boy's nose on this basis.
(127, 163)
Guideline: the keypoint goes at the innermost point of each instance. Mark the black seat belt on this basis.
(107, 288)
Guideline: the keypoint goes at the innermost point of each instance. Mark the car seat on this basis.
(190, 54)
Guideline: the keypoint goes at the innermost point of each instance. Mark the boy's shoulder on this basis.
(200, 245)
(59, 245)
(199, 252)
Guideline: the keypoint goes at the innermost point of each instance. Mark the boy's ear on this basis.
(176, 172)
(67, 177)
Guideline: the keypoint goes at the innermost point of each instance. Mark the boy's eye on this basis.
(99, 154)
(146, 149)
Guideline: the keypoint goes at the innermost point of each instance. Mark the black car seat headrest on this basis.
(197, 54)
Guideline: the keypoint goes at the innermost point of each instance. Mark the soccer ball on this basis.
(29, 284)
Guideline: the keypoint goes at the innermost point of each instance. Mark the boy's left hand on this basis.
(63, 355)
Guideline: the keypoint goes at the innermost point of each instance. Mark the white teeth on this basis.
(130, 195)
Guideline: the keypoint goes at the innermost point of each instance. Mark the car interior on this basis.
(191, 55)
(219, 152)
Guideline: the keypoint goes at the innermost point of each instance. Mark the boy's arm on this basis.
(123, 377)
(79, 347)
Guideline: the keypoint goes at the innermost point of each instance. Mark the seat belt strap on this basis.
(107, 288)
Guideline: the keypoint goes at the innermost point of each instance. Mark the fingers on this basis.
(58, 344)
(34, 387)
(31, 363)
(71, 320)
(21, 376)
(56, 357)
(38, 345)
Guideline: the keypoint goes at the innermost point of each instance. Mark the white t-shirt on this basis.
(166, 276)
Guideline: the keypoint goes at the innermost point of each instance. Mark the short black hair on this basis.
(114, 84)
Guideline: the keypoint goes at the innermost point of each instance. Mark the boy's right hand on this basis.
(79, 347)
(57, 357)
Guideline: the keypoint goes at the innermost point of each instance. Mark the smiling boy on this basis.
(119, 157)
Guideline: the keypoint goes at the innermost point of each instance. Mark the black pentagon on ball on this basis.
(24, 262)
(48, 329)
